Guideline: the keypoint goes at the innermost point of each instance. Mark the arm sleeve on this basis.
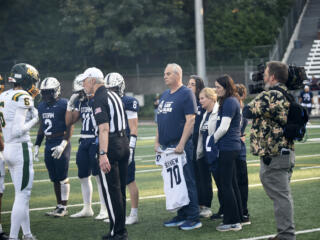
(223, 128)
(131, 114)
(40, 135)
(21, 126)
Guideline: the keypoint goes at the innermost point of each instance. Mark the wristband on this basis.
(64, 143)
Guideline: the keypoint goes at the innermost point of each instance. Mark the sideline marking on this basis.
(298, 232)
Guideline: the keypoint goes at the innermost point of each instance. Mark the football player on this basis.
(115, 82)
(52, 113)
(80, 106)
(17, 116)
(3, 235)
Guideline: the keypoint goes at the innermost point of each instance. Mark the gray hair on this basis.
(176, 68)
(99, 81)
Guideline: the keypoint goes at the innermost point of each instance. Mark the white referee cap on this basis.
(91, 72)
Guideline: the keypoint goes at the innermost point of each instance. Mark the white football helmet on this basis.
(115, 82)
(50, 89)
(77, 83)
(78, 87)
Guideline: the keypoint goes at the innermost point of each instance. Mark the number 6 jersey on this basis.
(175, 187)
(10, 102)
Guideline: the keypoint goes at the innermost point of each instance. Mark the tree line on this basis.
(65, 35)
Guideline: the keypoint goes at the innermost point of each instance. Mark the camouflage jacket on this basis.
(269, 109)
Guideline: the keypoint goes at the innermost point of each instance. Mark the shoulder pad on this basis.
(23, 99)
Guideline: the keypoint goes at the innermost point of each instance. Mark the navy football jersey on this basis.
(53, 116)
(306, 97)
(130, 104)
(89, 126)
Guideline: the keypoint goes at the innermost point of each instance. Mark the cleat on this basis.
(107, 220)
(51, 213)
(190, 225)
(205, 212)
(174, 222)
(29, 238)
(102, 215)
(131, 220)
(246, 220)
(61, 212)
(83, 213)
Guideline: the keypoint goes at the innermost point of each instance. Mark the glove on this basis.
(132, 145)
(58, 150)
(71, 101)
(131, 155)
(36, 153)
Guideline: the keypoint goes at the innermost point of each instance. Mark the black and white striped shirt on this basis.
(108, 108)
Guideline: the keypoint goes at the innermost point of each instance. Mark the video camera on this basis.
(296, 76)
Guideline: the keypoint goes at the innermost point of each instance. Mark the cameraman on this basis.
(269, 110)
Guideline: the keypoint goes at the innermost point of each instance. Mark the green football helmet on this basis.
(26, 76)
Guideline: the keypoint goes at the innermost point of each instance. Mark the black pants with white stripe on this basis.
(114, 183)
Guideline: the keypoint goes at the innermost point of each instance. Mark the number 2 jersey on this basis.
(52, 117)
(175, 187)
(10, 101)
(89, 125)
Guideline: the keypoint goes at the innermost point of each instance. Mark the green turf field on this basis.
(305, 188)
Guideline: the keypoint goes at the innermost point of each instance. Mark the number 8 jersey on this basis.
(10, 101)
(175, 187)
(52, 117)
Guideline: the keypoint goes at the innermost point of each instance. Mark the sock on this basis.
(86, 188)
(20, 215)
(1, 230)
(65, 189)
(134, 212)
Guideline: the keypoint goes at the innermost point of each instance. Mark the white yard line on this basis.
(313, 126)
(72, 178)
(298, 232)
(304, 168)
(162, 196)
(248, 161)
(158, 169)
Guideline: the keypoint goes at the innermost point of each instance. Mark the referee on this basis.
(113, 150)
